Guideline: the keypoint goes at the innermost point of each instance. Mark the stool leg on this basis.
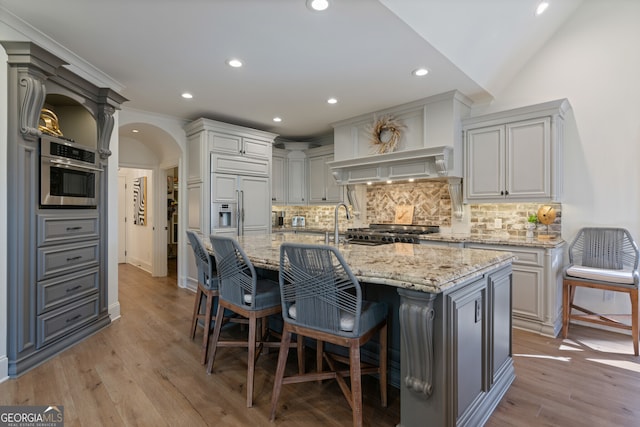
(566, 309)
(356, 382)
(319, 361)
(251, 359)
(634, 319)
(300, 349)
(383, 365)
(196, 312)
(207, 329)
(216, 336)
(282, 361)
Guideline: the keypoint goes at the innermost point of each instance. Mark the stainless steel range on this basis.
(379, 234)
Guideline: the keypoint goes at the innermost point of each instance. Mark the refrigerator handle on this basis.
(242, 209)
(238, 213)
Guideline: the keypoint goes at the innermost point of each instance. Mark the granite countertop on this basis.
(489, 239)
(305, 229)
(419, 267)
(494, 239)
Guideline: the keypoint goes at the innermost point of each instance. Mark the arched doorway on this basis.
(149, 154)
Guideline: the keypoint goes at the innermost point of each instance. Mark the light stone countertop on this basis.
(423, 268)
(490, 239)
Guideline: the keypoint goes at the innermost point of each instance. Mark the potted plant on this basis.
(532, 221)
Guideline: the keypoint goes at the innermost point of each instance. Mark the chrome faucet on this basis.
(336, 238)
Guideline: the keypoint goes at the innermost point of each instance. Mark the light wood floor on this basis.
(143, 370)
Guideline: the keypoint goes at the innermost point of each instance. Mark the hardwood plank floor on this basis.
(143, 370)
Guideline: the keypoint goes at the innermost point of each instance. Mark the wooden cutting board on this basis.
(404, 214)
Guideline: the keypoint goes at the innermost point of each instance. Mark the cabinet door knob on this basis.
(506, 193)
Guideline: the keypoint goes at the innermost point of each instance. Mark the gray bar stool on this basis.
(245, 293)
(207, 288)
(322, 299)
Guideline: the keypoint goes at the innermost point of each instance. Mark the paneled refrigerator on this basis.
(240, 204)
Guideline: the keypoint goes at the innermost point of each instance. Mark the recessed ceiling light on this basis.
(420, 72)
(235, 63)
(332, 101)
(187, 95)
(542, 6)
(318, 5)
(135, 131)
(277, 119)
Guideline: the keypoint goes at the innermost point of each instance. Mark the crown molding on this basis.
(76, 64)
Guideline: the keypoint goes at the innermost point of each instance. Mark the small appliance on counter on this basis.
(297, 221)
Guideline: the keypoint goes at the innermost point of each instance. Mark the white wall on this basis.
(167, 149)
(139, 251)
(594, 61)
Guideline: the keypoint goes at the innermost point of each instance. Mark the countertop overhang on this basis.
(424, 268)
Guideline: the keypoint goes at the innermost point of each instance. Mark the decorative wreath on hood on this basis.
(385, 134)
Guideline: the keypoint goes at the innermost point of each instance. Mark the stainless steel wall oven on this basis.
(69, 174)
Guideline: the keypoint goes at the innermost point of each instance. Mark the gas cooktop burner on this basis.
(390, 233)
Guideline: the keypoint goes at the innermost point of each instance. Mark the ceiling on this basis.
(361, 52)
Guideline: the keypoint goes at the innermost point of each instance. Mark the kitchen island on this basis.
(450, 317)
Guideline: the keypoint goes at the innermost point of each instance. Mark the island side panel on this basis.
(455, 381)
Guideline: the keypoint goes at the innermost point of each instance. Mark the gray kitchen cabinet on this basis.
(296, 178)
(515, 155)
(323, 188)
(468, 325)
(537, 286)
(278, 176)
(239, 145)
(463, 364)
(226, 150)
(57, 258)
(289, 177)
(68, 274)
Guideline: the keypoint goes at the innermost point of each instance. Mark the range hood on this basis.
(433, 162)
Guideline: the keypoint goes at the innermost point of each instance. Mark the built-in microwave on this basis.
(69, 174)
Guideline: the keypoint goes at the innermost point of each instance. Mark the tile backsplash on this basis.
(432, 206)
(512, 216)
(431, 201)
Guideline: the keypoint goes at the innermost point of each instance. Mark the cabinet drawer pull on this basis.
(74, 228)
(74, 318)
(75, 288)
(75, 258)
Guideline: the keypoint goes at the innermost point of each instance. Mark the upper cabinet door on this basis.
(485, 159)
(222, 143)
(278, 179)
(317, 186)
(256, 148)
(297, 181)
(528, 164)
(515, 155)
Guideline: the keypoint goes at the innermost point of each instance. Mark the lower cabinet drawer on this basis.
(60, 259)
(55, 292)
(62, 321)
